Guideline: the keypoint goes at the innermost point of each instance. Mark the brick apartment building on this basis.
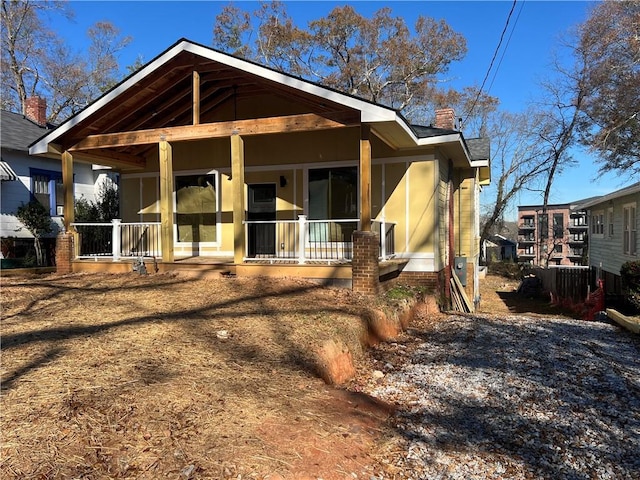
(554, 235)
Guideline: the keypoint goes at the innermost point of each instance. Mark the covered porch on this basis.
(302, 248)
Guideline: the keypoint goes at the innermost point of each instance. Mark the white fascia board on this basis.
(479, 163)
(450, 138)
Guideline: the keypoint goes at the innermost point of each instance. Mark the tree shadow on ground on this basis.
(200, 322)
(560, 398)
(202, 361)
(536, 305)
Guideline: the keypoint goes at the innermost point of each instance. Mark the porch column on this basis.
(166, 201)
(237, 185)
(365, 270)
(365, 179)
(67, 188)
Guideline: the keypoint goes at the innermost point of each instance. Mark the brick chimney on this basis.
(35, 109)
(446, 118)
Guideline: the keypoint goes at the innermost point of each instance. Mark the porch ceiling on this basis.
(165, 99)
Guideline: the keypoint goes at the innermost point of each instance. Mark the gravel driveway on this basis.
(512, 397)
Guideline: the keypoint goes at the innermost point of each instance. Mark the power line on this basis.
(495, 73)
(495, 54)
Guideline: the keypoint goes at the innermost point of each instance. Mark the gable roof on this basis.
(134, 103)
(17, 132)
(631, 189)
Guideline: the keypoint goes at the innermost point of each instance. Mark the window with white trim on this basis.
(47, 188)
(629, 229)
(610, 229)
(597, 223)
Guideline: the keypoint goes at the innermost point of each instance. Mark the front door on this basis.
(262, 208)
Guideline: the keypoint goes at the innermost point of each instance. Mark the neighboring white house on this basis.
(613, 233)
(24, 177)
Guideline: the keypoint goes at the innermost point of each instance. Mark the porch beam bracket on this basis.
(237, 186)
(365, 178)
(166, 200)
(196, 98)
(258, 126)
(67, 187)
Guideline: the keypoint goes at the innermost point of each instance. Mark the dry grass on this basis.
(125, 376)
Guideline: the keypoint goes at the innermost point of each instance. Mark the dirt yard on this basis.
(128, 376)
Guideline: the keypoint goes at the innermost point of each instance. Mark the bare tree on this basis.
(25, 39)
(555, 129)
(607, 53)
(36, 61)
(517, 161)
(376, 58)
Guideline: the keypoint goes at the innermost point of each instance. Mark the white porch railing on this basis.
(117, 239)
(301, 241)
(305, 240)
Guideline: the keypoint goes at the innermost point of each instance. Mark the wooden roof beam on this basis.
(260, 126)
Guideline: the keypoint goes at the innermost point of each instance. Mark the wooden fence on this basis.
(565, 283)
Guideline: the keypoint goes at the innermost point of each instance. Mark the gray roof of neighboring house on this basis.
(18, 132)
(479, 148)
(635, 188)
(425, 132)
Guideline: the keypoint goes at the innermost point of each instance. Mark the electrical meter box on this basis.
(460, 267)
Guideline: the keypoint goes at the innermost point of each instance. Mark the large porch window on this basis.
(196, 208)
(333, 195)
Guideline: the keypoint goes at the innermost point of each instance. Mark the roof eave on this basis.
(453, 139)
(630, 190)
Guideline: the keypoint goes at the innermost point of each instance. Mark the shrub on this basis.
(511, 270)
(630, 275)
(35, 218)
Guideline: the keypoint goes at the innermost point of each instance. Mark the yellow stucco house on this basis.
(225, 164)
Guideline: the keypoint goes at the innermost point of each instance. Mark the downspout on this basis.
(459, 214)
(450, 232)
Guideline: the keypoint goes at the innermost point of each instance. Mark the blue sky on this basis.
(533, 33)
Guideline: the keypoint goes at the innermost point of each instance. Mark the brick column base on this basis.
(64, 252)
(365, 270)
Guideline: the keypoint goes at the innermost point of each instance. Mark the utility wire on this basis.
(495, 54)
(506, 47)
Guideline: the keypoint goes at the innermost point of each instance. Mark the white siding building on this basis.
(613, 237)
(24, 177)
